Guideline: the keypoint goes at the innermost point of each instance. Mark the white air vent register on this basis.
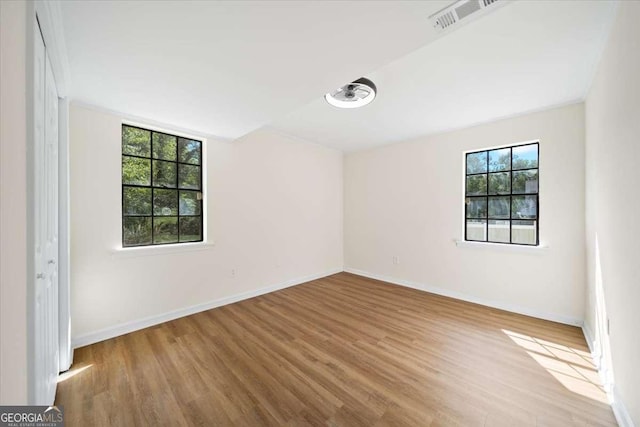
(462, 10)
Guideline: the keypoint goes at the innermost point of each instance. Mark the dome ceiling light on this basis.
(353, 95)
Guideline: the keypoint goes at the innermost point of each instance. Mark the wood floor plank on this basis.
(340, 351)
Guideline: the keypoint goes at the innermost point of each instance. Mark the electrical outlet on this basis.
(233, 272)
(396, 260)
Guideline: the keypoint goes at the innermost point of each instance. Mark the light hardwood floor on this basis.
(340, 351)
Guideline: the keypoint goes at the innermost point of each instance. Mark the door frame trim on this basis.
(50, 18)
(48, 15)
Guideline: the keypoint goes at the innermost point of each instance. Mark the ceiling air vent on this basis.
(460, 10)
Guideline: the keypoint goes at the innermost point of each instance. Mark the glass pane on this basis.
(190, 151)
(499, 207)
(477, 230)
(164, 146)
(524, 207)
(136, 231)
(499, 231)
(136, 171)
(500, 160)
(165, 230)
(165, 202)
(137, 201)
(525, 157)
(477, 162)
(500, 183)
(189, 203)
(476, 185)
(476, 207)
(525, 181)
(523, 232)
(189, 177)
(190, 229)
(164, 174)
(136, 142)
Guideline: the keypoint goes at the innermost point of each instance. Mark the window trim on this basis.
(501, 247)
(169, 247)
(163, 249)
(488, 243)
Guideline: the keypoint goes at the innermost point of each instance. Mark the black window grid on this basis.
(151, 187)
(510, 194)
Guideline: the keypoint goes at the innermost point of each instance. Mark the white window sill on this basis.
(176, 248)
(540, 249)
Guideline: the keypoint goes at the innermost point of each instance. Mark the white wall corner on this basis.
(588, 336)
(567, 320)
(617, 405)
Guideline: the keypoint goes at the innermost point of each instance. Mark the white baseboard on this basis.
(589, 337)
(619, 409)
(458, 295)
(127, 327)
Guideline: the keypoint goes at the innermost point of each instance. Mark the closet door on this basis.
(45, 226)
(51, 230)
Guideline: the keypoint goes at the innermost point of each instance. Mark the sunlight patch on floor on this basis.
(573, 368)
(72, 373)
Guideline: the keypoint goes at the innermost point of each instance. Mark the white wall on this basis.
(13, 204)
(406, 200)
(275, 215)
(613, 205)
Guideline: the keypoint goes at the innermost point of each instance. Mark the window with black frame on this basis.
(501, 195)
(161, 188)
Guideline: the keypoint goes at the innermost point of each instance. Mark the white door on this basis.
(46, 226)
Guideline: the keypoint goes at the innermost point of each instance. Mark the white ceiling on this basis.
(527, 56)
(227, 68)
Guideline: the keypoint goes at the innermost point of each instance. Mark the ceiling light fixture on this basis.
(353, 95)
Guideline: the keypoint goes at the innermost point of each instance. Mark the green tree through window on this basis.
(161, 188)
(501, 195)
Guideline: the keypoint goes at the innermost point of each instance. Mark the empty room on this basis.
(319, 213)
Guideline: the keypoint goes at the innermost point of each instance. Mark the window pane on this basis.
(500, 183)
(164, 174)
(523, 232)
(190, 151)
(189, 177)
(476, 185)
(165, 202)
(500, 160)
(499, 231)
(525, 181)
(524, 207)
(190, 229)
(189, 203)
(499, 207)
(136, 171)
(525, 157)
(476, 207)
(136, 231)
(164, 146)
(136, 142)
(165, 230)
(477, 162)
(477, 230)
(137, 201)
